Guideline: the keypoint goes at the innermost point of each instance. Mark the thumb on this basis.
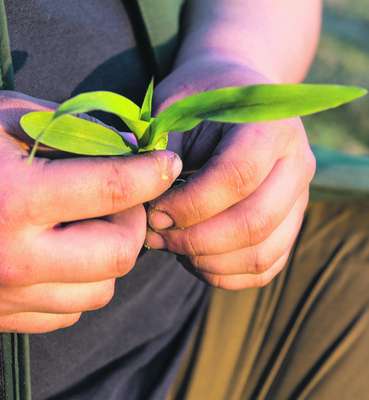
(13, 105)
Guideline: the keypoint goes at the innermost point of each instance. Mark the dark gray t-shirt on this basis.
(128, 350)
(65, 47)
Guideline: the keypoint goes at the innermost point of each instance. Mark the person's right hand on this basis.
(57, 257)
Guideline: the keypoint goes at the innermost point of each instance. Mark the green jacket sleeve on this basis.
(15, 381)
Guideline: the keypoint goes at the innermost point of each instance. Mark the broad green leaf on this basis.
(146, 109)
(252, 104)
(105, 101)
(109, 102)
(340, 176)
(74, 135)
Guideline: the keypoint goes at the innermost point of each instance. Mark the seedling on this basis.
(65, 131)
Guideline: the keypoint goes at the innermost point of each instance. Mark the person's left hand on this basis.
(238, 216)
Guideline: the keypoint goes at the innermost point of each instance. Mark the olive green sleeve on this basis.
(157, 27)
(15, 381)
(7, 81)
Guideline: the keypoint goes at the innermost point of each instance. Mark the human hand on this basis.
(57, 257)
(238, 216)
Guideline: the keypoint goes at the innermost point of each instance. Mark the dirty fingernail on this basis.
(176, 164)
(154, 241)
(159, 220)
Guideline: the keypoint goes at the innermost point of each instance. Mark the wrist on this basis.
(208, 72)
(203, 46)
(213, 70)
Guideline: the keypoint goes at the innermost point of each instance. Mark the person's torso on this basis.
(63, 48)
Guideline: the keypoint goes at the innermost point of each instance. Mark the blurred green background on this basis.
(343, 57)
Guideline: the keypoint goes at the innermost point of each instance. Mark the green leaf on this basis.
(109, 102)
(252, 104)
(340, 176)
(139, 128)
(146, 109)
(159, 143)
(74, 135)
(100, 100)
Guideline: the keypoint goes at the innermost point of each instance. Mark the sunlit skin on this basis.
(50, 274)
(240, 213)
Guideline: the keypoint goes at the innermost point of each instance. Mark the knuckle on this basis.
(214, 280)
(202, 264)
(197, 262)
(262, 262)
(117, 189)
(191, 245)
(209, 264)
(192, 208)
(123, 258)
(255, 225)
(17, 266)
(227, 284)
(239, 175)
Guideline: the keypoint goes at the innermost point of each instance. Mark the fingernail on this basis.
(159, 220)
(176, 165)
(154, 241)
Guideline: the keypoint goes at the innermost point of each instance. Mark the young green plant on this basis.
(64, 130)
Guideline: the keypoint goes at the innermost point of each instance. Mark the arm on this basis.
(278, 38)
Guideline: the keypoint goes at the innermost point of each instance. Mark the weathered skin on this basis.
(51, 273)
(241, 212)
(238, 216)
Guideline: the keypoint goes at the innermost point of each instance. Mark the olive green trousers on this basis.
(305, 336)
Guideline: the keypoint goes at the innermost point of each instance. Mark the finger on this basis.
(244, 281)
(37, 323)
(56, 298)
(82, 188)
(256, 259)
(242, 160)
(247, 223)
(87, 251)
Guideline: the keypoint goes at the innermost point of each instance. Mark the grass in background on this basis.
(343, 57)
